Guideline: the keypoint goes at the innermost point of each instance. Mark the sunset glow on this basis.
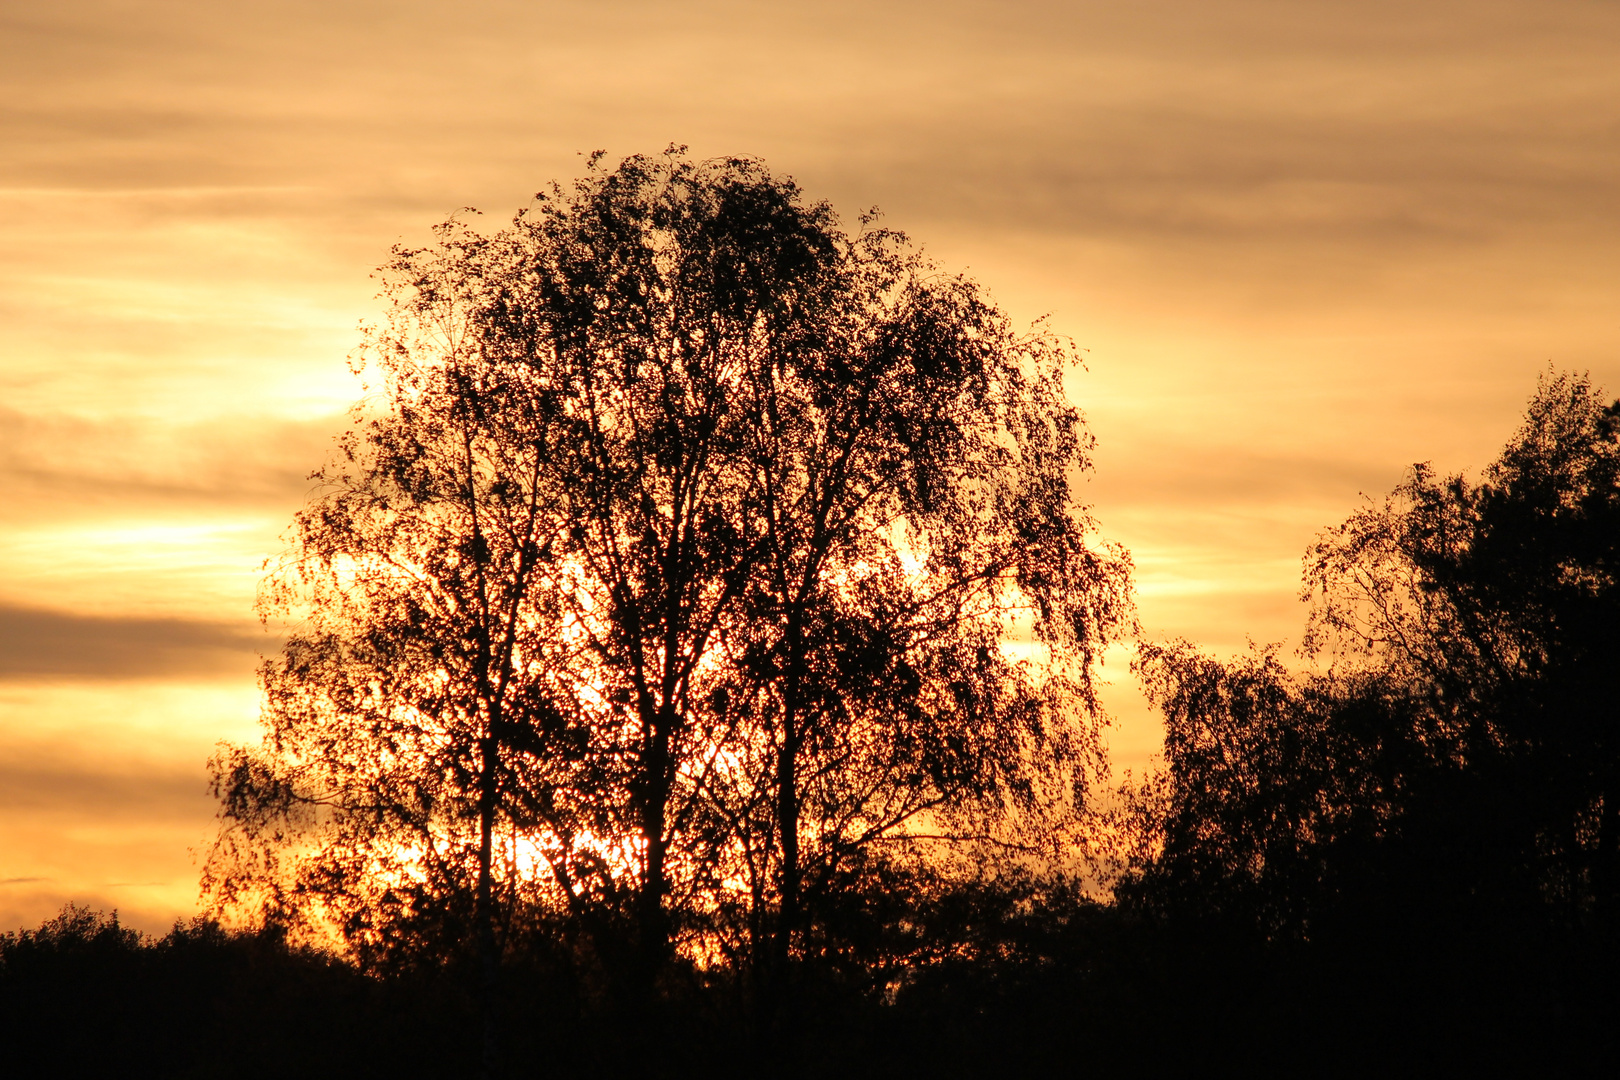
(1302, 244)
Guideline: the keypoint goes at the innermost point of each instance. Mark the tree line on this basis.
(692, 664)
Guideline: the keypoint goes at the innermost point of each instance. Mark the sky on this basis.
(1303, 243)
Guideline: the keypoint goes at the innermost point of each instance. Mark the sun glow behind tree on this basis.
(663, 592)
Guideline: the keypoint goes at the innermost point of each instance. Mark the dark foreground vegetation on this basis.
(1058, 988)
(644, 712)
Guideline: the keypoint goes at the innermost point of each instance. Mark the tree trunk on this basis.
(783, 1005)
(652, 933)
(488, 958)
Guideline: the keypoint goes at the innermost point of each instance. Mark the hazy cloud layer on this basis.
(1304, 122)
(154, 797)
(111, 840)
(37, 644)
(104, 791)
(68, 466)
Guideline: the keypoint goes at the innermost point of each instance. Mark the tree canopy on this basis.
(695, 560)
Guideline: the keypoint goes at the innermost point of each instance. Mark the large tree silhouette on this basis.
(664, 586)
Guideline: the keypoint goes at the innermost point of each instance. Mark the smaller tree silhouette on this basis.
(1499, 602)
(1457, 760)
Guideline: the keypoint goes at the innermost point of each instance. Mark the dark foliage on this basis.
(84, 996)
(655, 606)
(1458, 764)
(650, 660)
(1495, 607)
(1426, 828)
(988, 980)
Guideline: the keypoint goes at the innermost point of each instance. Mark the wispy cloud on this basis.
(67, 465)
(36, 643)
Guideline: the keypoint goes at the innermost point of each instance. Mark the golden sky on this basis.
(1305, 243)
